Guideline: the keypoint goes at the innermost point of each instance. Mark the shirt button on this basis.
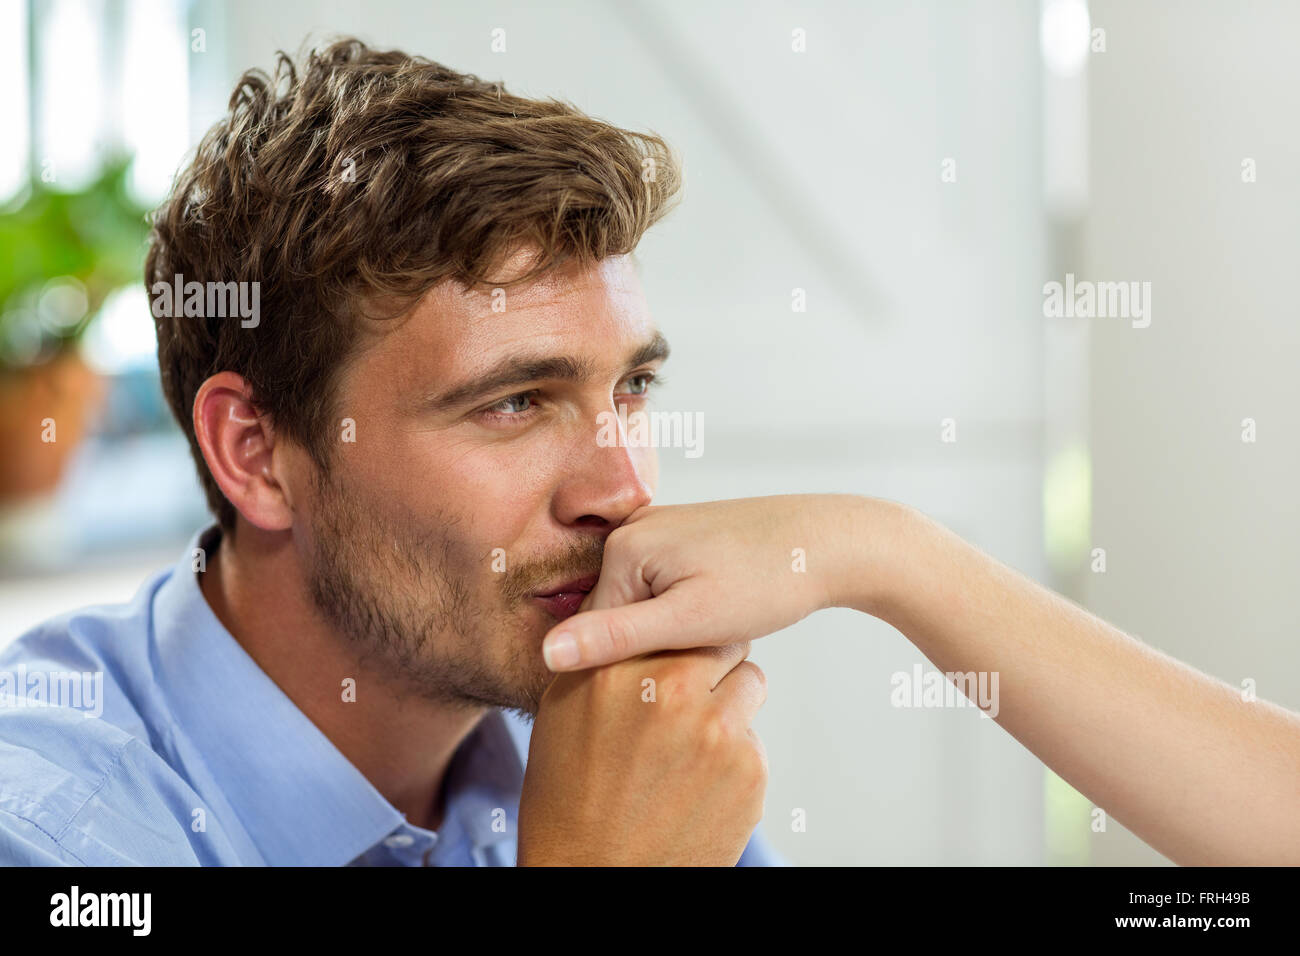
(399, 840)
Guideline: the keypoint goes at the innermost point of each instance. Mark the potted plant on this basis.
(61, 254)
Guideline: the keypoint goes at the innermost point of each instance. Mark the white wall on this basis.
(1200, 528)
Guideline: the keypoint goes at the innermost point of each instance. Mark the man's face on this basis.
(475, 484)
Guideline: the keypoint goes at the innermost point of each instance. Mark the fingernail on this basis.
(560, 651)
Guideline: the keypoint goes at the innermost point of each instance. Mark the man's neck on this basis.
(402, 744)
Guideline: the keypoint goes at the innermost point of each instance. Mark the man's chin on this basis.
(521, 687)
(531, 701)
(525, 703)
(514, 679)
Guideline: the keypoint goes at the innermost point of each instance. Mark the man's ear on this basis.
(239, 446)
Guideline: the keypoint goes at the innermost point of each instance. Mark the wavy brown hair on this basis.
(364, 176)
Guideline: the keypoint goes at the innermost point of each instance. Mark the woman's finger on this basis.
(597, 637)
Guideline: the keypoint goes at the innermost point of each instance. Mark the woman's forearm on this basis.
(1198, 772)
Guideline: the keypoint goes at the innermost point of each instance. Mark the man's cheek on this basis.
(648, 469)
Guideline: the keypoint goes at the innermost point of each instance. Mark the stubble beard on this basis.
(402, 593)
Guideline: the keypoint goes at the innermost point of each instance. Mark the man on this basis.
(395, 429)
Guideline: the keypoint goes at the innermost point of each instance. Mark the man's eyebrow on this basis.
(516, 371)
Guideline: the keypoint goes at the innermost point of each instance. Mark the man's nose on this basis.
(607, 483)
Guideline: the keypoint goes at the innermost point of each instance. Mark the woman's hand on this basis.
(721, 572)
(1204, 773)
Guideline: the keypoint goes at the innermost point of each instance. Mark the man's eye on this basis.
(514, 405)
(640, 384)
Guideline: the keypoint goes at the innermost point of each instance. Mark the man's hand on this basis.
(722, 571)
(648, 762)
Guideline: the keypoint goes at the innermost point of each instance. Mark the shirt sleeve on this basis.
(759, 852)
(23, 843)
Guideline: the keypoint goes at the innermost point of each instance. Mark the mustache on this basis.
(580, 558)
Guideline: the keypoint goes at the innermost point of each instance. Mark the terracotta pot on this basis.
(64, 390)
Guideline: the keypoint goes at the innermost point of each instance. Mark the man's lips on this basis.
(577, 584)
(563, 600)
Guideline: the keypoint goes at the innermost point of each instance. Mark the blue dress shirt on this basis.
(143, 734)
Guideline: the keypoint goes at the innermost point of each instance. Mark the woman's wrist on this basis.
(869, 566)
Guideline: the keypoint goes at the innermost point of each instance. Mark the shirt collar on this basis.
(301, 800)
